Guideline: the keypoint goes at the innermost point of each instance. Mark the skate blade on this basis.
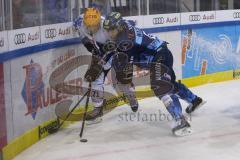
(199, 106)
(95, 121)
(183, 132)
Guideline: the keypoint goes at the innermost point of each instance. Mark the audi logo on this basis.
(1, 42)
(158, 20)
(236, 15)
(194, 18)
(50, 33)
(20, 38)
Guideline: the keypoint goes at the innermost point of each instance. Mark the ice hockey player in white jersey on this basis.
(93, 36)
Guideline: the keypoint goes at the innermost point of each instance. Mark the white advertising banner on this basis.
(174, 40)
(138, 20)
(227, 15)
(56, 32)
(161, 20)
(22, 38)
(33, 100)
(198, 17)
(8, 99)
(3, 42)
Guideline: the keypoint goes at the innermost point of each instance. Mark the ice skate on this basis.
(197, 103)
(182, 128)
(94, 116)
(132, 100)
(134, 107)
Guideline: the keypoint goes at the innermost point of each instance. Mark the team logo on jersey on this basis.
(115, 15)
(33, 88)
(109, 46)
(125, 45)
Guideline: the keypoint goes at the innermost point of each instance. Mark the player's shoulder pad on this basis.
(78, 22)
(132, 22)
(129, 29)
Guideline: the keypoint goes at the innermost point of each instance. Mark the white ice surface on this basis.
(216, 134)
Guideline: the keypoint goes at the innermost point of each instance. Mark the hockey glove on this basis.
(123, 68)
(94, 70)
(88, 43)
(93, 73)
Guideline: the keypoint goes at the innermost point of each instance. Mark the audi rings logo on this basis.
(1, 42)
(158, 20)
(20, 38)
(50, 33)
(236, 15)
(194, 18)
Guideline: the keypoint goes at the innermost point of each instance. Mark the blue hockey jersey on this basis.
(140, 46)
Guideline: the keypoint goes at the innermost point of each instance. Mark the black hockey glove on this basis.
(123, 68)
(94, 70)
(91, 46)
(88, 43)
(126, 75)
(93, 73)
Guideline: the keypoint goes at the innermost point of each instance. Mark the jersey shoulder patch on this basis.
(78, 22)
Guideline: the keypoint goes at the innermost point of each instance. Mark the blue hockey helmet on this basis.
(112, 21)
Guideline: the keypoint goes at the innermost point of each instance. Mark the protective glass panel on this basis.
(236, 4)
(56, 11)
(188, 5)
(207, 5)
(163, 6)
(25, 13)
(1, 15)
(126, 7)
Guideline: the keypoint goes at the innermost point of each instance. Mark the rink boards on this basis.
(205, 46)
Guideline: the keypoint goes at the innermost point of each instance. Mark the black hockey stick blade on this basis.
(53, 130)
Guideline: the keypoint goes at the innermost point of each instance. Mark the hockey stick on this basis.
(56, 128)
(85, 114)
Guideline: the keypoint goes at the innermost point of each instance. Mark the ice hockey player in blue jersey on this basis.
(93, 36)
(152, 53)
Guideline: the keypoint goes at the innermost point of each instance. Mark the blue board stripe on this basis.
(37, 48)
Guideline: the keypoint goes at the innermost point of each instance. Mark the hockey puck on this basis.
(83, 140)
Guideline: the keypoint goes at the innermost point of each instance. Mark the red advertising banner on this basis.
(3, 130)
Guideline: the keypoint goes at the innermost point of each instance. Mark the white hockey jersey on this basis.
(101, 36)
